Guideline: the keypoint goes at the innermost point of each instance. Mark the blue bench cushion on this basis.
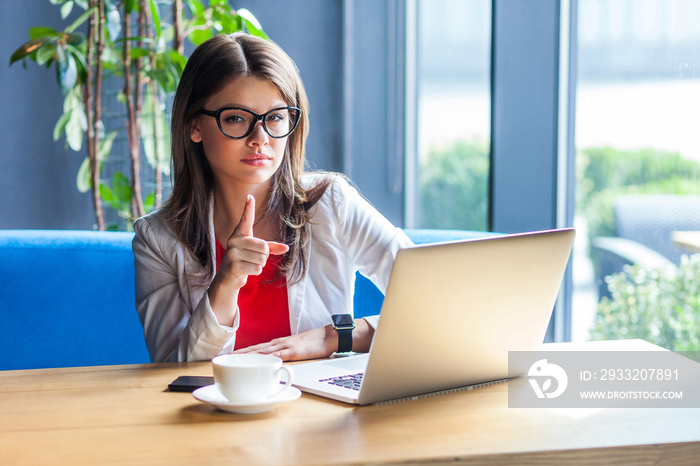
(68, 297)
(68, 300)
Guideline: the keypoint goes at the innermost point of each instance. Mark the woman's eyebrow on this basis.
(279, 104)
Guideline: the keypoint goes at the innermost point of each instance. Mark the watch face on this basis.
(342, 320)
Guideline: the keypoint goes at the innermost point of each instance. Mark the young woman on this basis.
(250, 253)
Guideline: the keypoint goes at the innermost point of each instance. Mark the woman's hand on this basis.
(245, 255)
(313, 344)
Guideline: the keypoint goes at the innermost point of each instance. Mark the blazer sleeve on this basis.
(175, 327)
(371, 240)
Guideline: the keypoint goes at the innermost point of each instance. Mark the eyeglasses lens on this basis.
(278, 123)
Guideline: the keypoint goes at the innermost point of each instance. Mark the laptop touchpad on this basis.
(350, 363)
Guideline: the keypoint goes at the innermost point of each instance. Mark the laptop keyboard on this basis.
(351, 381)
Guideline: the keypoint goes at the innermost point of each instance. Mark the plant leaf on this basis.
(41, 31)
(82, 181)
(81, 19)
(168, 34)
(78, 55)
(61, 125)
(66, 8)
(251, 22)
(150, 202)
(73, 100)
(178, 59)
(150, 145)
(66, 69)
(253, 31)
(195, 6)
(122, 189)
(45, 54)
(74, 130)
(114, 23)
(156, 18)
(29, 48)
(75, 39)
(129, 5)
(106, 146)
(107, 195)
(137, 52)
(200, 35)
(77, 123)
(110, 57)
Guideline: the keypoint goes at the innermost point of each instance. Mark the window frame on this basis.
(532, 116)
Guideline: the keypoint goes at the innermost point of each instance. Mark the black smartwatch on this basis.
(344, 325)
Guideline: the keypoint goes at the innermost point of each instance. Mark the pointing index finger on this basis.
(245, 226)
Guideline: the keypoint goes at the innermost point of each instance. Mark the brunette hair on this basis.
(211, 66)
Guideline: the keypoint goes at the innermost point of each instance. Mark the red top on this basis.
(262, 304)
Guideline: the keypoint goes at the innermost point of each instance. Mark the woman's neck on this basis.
(229, 203)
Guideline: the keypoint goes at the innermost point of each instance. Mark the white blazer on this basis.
(347, 235)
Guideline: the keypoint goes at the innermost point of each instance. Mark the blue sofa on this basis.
(68, 297)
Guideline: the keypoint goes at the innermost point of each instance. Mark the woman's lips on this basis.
(256, 159)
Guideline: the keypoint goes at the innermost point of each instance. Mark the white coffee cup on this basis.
(250, 378)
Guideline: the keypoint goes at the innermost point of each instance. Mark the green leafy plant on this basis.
(659, 306)
(132, 41)
(655, 305)
(454, 186)
(605, 173)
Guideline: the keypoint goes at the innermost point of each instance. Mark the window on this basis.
(638, 171)
(448, 178)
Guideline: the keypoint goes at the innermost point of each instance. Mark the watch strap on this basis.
(344, 340)
(344, 325)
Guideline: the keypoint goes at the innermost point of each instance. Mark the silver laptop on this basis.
(452, 312)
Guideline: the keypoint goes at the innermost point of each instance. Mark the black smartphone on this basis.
(189, 383)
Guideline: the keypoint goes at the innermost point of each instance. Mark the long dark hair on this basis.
(212, 65)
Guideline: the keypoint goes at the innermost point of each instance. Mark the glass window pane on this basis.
(638, 172)
(453, 114)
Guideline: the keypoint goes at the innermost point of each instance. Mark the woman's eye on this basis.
(234, 119)
(275, 118)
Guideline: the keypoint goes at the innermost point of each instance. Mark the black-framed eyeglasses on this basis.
(237, 123)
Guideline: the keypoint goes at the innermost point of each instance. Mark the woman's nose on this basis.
(259, 136)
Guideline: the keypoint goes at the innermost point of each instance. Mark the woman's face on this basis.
(253, 159)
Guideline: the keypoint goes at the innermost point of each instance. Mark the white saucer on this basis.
(210, 394)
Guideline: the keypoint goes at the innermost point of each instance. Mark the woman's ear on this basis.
(195, 132)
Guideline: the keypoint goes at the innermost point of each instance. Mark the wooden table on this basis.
(125, 415)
